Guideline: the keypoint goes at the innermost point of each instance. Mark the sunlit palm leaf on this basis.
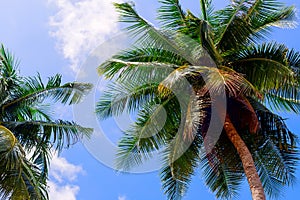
(18, 177)
(146, 55)
(61, 133)
(221, 56)
(149, 36)
(27, 127)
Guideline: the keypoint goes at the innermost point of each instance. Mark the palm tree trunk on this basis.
(255, 184)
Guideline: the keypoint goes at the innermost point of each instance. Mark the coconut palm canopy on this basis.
(28, 131)
(221, 53)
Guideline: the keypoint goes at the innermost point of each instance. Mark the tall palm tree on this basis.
(220, 52)
(28, 133)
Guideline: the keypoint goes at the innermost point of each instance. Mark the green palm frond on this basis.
(193, 26)
(181, 155)
(8, 65)
(125, 97)
(61, 133)
(129, 15)
(210, 13)
(222, 181)
(293, 58)
(148, 54)
(270, 13)
(149, 36)
(215, 81)
(269, 171)
(281, 144)
(171, 15)
(276, 166)
(41, 159)
(34, 91)
(8, 74)
(232, 26)
(110, 69)
(265, 62)
(250, 21)
(138, 27)
(18, 177)
(176, 174)
(27, 112)
(151, 71)
(222, 169)
(148, 134)
(41, 112)
(289, 102)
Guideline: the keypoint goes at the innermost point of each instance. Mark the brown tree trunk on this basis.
(255, 184)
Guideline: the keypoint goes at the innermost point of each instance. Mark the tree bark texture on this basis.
(254, 181)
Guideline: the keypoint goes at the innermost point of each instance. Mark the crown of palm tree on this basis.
(219, 51)
(28, 134)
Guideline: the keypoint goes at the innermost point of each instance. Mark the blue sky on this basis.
(56, 36)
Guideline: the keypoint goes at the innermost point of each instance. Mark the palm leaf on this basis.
(267, 13)
(288, 102)
(220, 177)
(148, 134)
(18, 177)
(233, 27)
(61, 133)
(125, 97)
(171, 15)
(8, 74)
(149, 36)
(265, 62)
(111, 68)
(217, 81)
(181, 155)
(176, 174)
(222, 168)
(293, 58)
(281, 144)
(8, 64)
(34, 91)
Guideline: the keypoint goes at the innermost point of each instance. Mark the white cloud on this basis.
(61, 169)
(62, 175)
(122, 197)
(65, 192)
(80, 26)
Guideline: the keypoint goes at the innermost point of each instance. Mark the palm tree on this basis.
(28, 134)
(219, 53)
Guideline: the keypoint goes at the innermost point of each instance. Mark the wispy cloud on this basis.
(80, 26)
(63, 175)
(122, 197)
(65, 192)
(61, 169)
